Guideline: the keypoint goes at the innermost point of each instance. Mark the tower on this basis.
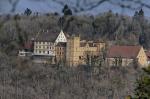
(73, 49)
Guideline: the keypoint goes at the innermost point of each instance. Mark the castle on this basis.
(62, 47)
(77, 50)
(71, 50)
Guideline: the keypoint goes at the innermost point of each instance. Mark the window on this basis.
(39, 51)
(80, 57)
(95, 56)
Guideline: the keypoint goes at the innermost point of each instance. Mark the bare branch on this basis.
(14, 4)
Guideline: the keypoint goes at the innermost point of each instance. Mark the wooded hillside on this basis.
(109, 26)
(21, 79)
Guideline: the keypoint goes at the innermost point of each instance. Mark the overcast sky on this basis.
(45, 6)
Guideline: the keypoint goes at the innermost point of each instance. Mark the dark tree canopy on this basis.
(142, 90)
(66, 10)
(28, 12)
(141, 13)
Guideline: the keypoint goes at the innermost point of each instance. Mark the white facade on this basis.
(44, 48)
(47, 48)
(61, 38)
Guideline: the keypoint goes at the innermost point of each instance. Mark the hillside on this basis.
(23, 79)
(106, 27)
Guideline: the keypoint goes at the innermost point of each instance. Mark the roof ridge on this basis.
(124, 51)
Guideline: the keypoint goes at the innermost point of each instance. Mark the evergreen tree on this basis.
(136, 15)
(66, 10)
(28, 12)
(141, 13)
(142, 90)
(142, 39)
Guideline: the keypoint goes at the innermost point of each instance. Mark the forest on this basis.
(22, 79)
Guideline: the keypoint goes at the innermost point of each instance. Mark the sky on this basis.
(45, 6)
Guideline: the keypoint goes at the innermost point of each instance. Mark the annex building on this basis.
(126, 55)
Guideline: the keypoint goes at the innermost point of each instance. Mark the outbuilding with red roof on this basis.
(125, 55)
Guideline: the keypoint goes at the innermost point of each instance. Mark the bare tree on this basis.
(14, 4)
(85, 5)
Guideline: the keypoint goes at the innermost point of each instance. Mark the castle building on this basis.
(148, 56)
(73, 51)
(62, 48)
(44, 48)
(126, 55)
(61, 37)
(46, 44)
(77, 50)
(61, 52)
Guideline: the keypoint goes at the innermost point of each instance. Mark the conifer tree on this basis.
(142, 90)
(66, 10)
(28, 12)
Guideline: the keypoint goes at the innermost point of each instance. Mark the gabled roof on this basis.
(61, 37)
(123, 51)
(47, 36)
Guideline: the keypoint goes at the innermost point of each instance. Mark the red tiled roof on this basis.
(28, 45)
(148, 55)
(123, 51)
